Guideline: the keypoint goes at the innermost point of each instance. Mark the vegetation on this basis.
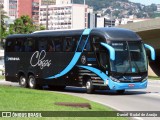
(3, 27)
(122, 8)
(22, 25)
(2, 77)
(21, 99)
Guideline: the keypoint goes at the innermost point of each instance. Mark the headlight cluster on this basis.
(144, 79)
(114, 79)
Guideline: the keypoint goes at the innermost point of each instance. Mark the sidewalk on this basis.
(3, 82)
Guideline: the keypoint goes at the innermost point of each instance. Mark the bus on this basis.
(97, 59)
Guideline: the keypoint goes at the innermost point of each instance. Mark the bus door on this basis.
(101, 53)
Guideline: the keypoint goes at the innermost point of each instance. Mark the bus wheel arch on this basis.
(22, 80)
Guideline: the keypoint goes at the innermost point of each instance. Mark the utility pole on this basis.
(47, 16)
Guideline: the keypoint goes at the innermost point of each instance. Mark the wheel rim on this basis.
(88, 85)
(31, 82)
(22, 81)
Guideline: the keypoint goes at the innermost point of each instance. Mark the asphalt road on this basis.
(133, 100)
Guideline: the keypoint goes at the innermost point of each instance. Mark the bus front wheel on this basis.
(32, 82)
(23, 81)
(89, 86)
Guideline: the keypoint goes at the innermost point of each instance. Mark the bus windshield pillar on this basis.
(111, 50)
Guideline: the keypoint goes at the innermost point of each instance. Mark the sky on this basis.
(146, 2)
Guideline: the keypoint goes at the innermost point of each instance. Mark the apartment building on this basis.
(64, 15)
(10, 7)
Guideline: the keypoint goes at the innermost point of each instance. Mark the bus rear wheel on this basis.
(23, 81)
(89, 86)
(120, 92)
(32, 82)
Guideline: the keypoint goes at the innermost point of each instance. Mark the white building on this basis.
(158, 7)
(10, 7)
(65, 15)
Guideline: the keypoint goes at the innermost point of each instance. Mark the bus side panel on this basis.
(13, 63)
(48, 64)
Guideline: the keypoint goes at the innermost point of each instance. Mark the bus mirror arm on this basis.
(111, 50)
(153, 54)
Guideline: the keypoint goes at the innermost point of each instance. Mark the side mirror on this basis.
(111, 50)
(153, 54)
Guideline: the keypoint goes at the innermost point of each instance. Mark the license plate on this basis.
(131, 85)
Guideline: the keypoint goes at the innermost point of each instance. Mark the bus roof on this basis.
(108, 33)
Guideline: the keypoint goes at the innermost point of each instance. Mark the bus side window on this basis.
(58, 44)
(42, 44)
(17, 46)
(9, 46)
(51, 45)
(28, 45)
(88, 46)
(69, 44)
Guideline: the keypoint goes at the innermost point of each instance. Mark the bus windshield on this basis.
(130, 57)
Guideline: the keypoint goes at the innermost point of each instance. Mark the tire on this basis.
(32, 83)
(89, 86)
(23, 81)
(120, 92)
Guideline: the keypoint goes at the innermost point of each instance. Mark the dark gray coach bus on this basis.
(100, 58)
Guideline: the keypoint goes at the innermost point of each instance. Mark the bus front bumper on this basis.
(121, 86)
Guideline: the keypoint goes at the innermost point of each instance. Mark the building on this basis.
(1, 2)
(47, 2)
(35, 12)
(63, 15)
(158, 7)
(105, 22)
(30, 8)
(10, 7)
(24, 8)
(16, 8)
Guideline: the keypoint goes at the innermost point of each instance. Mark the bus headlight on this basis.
(144, 79)
(114, 79)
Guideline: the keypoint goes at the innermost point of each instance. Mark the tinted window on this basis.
(58, 44)
(42, 44)
(51, 45)
(27, 45)
(69, 44)
(10, 46)
(20, 45)
(83, 44)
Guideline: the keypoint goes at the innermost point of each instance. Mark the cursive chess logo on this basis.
(38, 59)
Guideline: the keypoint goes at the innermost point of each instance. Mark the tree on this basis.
(22, 25)
(2, 23)
(42, 27)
